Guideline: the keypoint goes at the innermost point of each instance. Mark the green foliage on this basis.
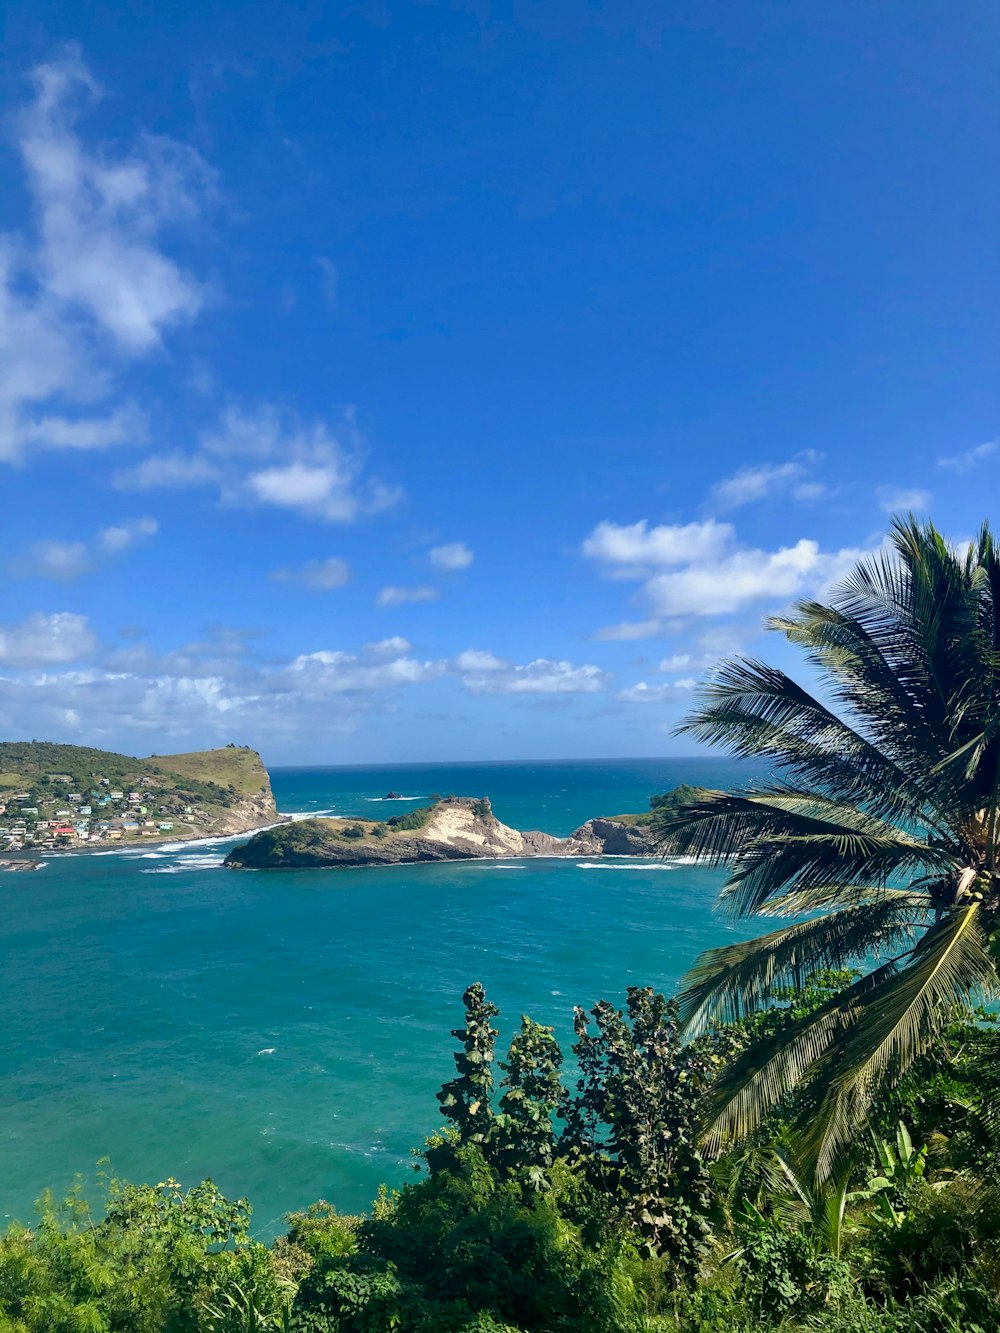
(161, 1260)
(323, 1232)
(412, 820)
(533, 1093)
(286, 843)
(785, 1274)
(937, 1233)
(467, 1242)
(465, 1100)
(634, 1121)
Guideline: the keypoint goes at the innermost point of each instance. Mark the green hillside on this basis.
(234, 768)
(58, 795)
(211, 776)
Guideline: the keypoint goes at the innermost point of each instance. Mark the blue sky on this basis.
(425, 381)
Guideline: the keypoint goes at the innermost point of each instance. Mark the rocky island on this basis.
(55, 797)
(458, 828)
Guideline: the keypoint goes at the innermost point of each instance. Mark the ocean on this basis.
(285, 1032)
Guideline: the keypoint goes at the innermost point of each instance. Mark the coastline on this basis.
(102, 848)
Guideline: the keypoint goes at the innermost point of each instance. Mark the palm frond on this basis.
(783, 842)
(894, 1025)
(731, 981)
(766, 1072)
(755, 710)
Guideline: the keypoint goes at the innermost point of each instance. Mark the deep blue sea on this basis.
(285, 1032)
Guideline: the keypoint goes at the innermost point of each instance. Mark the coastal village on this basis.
(51, 814)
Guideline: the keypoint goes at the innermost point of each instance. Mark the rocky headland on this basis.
(460, 828)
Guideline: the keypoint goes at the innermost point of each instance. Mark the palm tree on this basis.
(879, 828)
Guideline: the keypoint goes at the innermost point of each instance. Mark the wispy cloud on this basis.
(902, 499)
(264, 456)
(966, 461)
(330, 279)
(628, 631)
(320, 575)
(452, 556)
(641, 693)
(484, 673)
(90, 289)
(64, 561)
(765, 480)
(398, 596)
(46, 640)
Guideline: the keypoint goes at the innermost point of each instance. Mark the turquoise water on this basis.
(285, 1032)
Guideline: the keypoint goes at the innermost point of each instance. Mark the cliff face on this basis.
(611, 837)
(248, 813)
(457, 829)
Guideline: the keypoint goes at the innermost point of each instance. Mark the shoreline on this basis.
(50, 853)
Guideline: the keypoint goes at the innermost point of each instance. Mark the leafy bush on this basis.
(159, 1261)
(412, 820)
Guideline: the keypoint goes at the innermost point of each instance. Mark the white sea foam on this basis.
(267, 1050)
(605, 865)
(187, 863)
(297, 815)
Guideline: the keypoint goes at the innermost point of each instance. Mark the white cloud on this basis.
(44, 640)
(966, 461)
(202, 693)
(396, 646)
(99, 214)
(90, 288)
(396, 596)
(326, 673)
(454, 555)
(262, 455)
(745, 576)
(322, 575)
(641, 693)
(633, 547)
(482, 673)
(705, 572)
(67, 560)
(475, 660)
(123, 426)
(810, 490)
(901, 499)
(123, 536)
(761, 481)
(168, 471)
(627, 631)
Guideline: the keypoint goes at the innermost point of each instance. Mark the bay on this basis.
(285, 1032)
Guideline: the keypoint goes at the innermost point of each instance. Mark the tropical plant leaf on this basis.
(894, 1025)
(731, 981)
